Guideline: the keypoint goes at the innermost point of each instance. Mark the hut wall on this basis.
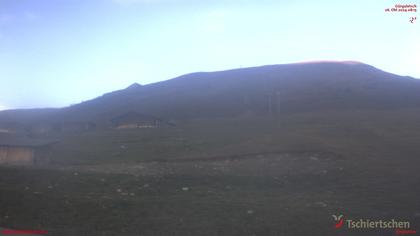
(136, 125)
(3, 154)
(42, 155)
(16, 155)
(127, 126)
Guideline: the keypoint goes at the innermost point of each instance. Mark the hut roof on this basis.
(24, 142)
(132, 117)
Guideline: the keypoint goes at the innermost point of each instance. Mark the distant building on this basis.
(9, 127)
(23, 151)
(74, 126)
(134, 120)
(6, 130)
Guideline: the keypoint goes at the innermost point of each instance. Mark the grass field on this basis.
(248, 176)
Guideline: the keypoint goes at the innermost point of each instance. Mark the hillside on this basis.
(260, 91)
(338, 138)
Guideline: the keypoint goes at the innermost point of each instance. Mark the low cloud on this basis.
(3, 107)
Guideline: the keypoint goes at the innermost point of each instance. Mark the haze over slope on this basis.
(265, 90)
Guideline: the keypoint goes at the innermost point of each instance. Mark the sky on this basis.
(55, 53)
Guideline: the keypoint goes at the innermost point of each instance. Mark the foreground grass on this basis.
(283, 176)
(290, 201)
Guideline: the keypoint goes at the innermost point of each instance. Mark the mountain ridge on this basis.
(262, 91)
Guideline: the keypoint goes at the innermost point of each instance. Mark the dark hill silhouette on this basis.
(262, 91)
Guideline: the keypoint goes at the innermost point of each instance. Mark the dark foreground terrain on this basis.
(281, 176)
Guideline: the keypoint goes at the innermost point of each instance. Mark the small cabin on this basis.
(20, 151)
(74, 127)
(6, 130)
(134, 120)
(10, 127)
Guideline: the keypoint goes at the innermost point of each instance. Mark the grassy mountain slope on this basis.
(261, 91)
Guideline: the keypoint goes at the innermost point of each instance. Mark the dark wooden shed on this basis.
(133, 120)
(24, 151)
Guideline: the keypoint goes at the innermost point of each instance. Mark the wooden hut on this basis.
(134, 120)
(74, 126)
(24, 151)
